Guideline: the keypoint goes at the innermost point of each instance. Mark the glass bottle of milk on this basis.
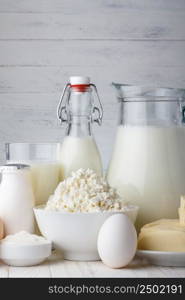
(77, 108)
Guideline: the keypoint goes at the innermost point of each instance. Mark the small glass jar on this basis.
(42, 158)
(16, 199)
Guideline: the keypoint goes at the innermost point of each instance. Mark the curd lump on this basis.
(85, 191)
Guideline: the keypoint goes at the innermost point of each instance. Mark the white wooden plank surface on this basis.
(90, 54)
(64, 268)
(114, 19)
(69, 6)
(135, 269)
(55, 266)
(4, 271)
(52, 79)
(114, 24)
(30, 272)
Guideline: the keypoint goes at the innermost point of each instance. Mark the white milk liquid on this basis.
(78, 152)
(45, 178)
(148, 169)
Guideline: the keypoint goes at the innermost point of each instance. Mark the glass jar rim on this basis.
(136, 93)
(149, 99)
(13, 167)
(32, 143)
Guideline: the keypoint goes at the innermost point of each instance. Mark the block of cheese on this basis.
(1, 229)
(163, 235)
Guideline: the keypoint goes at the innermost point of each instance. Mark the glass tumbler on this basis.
(42, 159)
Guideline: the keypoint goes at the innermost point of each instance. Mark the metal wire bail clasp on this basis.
(97, 111)
(62, 109)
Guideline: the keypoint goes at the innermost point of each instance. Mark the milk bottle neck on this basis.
(80, 113)
(79, 126)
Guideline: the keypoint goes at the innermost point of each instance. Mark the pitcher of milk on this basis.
(148, 160)
(77, 108)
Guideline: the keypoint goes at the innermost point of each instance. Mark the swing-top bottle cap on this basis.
(79, 80)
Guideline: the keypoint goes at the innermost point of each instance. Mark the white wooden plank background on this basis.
(140, 25)
(43, 42)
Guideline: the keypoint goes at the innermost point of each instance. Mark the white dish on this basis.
(163, 258)
(75, 234)
(24, 255)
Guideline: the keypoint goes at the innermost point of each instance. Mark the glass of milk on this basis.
(42, 158)
(148, 160)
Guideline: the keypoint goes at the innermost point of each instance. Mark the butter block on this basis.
(162, 235)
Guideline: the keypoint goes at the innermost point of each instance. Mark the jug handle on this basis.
(183, 114)
(182, 109)
(1, 171)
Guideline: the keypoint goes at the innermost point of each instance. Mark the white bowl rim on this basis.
(128, 208)
(13, 245)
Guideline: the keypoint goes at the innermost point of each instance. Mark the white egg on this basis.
(117, 241)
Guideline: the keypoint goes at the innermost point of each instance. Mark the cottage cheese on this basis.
(85, 191)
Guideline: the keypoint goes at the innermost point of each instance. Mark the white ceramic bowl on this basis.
(75, 234)
(24, 255)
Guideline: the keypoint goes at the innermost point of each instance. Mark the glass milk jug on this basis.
(148, 161)
(78, 110)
